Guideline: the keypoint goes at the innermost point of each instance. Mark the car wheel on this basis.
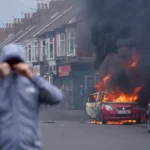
(138, 121)
(102, 119)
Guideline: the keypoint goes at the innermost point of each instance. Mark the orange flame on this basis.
(122, 97)
(133, 65)
(134, 61)
(105, 79)
(121, 122)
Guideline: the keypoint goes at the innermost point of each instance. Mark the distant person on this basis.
(81, 96)
(20, 96)
(148, 117)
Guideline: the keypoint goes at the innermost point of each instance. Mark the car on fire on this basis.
(101, 111)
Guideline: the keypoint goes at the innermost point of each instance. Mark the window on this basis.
(54, 68)
(26, 51)
(60, 44)
(71, 42)
(51, 55)
(29, 53)
(43, 50)
(34, 51)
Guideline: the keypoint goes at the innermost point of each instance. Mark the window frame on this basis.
(58, 44)
(35, 54)
(51, 42)
(29, 49)
(69, 39)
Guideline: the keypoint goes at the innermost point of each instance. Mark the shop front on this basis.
(64, 81)
(70, 79)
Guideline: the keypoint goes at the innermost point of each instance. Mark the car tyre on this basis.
(102, 119)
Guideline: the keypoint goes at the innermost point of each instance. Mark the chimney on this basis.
(18, 25)
(7, 25)
(29, 15)
(27, 20)
(25, 15)
(57, 6)
(34, 19)
(2, 34)
(9, 29)
(15, 20)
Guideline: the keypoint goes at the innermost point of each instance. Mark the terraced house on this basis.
(57, 45)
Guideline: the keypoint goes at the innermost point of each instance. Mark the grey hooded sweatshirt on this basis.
(20, 99)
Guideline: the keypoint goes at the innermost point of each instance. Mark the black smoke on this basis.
(120, 29)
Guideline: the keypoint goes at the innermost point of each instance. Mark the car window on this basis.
(92, 98)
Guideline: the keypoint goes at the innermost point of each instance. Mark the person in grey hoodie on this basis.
(20, 96)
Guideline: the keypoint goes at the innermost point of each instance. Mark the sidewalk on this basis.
(143, 125)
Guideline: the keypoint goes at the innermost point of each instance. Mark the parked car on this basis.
(98, 110)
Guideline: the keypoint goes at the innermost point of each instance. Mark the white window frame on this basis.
(42, 49)
(26, 52)
(69, 38)
(34, 51)
(51, 41)
(29, 52)
(58, 43)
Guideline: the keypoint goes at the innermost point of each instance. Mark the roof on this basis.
(65, 19)
(56, 20)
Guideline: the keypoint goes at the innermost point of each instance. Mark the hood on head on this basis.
(13, 51)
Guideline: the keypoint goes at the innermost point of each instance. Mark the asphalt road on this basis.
(72, 135)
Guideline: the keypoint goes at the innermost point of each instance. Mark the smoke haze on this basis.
(120, 33)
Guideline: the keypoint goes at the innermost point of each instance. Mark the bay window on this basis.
(34, 51)
(29, 53)
(60, 44)
(51, 48)
(44, 49)
(71, 42)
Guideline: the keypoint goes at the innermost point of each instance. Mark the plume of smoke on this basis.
(120, 29)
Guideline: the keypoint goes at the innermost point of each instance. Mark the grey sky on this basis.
(10, 8)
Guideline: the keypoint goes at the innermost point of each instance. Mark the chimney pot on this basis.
(6, 25)
(15, 20)
(28, 15)
(25, 15)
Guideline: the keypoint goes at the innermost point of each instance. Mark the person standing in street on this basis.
(20, 96)
(81, 96)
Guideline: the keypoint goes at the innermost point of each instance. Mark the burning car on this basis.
(100, 110)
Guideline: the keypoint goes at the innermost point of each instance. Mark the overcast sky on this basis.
(10, 8)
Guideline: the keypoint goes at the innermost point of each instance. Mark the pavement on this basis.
(64, 130)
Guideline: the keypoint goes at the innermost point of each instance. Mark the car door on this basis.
(91, 107)
(99, 103)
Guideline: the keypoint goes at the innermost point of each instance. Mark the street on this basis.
(75, 135)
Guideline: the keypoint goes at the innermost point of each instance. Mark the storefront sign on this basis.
(36, 70)
(64, 70)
